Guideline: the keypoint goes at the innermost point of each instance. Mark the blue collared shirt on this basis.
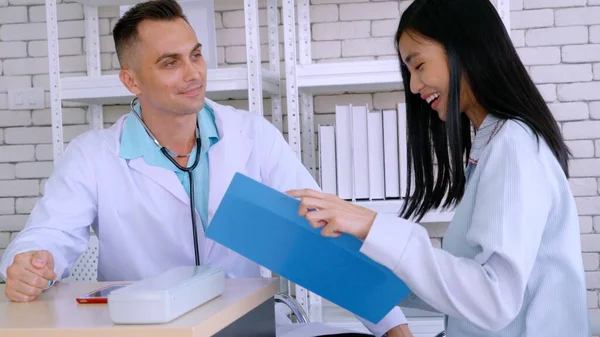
(135, 143)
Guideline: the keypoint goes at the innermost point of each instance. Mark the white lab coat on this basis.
(141, 212)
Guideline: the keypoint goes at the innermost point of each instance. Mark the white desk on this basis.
(246, 305)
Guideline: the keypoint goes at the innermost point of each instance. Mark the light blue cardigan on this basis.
(511, 264)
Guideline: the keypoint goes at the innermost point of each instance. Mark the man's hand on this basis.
(400, 331)
(29, 275)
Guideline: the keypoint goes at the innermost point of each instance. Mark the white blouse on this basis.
(511, 263)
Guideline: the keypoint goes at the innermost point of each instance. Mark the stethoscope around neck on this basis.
(190, 170)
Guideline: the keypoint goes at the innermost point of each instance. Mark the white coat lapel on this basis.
(165, 178)
(227, 157)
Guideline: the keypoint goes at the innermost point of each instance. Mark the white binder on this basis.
(360, 152)
(402, 148)
(343, 143)
(328, 179)
(375, 145)
(390, 153)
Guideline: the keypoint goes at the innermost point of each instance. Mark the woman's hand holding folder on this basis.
(334, 215)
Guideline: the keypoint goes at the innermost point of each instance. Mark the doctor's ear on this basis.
(127, 77)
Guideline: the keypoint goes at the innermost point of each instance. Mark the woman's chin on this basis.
(441, 115)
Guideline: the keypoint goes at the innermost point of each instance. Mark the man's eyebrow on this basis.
(197, 46)
(167, 55)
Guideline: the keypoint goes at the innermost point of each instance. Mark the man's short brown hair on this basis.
(125, 32)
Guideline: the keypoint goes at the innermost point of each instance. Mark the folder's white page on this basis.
(361, 152)
(375, 144)
(390, 153)
(327, 159)
(343, 146)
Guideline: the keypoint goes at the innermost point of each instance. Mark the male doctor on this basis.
(137, 201)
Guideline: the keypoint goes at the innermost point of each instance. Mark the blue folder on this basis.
(263, 225)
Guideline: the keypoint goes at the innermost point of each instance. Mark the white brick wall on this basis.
(583, 187)
(7, 206)
(577, 16)
(563, 73)
(342, 30)
(539, 55)
(369, 11)
(558, 40)
(581, 53)
(552, 3)
(569, 111)
(67, 11)
(13, 15)
(594, 34)
(556, 36)
(324, 13)
(532, 19)
(586, 224)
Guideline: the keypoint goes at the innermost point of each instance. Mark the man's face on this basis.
(168, 68)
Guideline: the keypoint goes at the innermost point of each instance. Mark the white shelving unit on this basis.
(363, 76)
(221, 84)
(251, 81)
(305, 79)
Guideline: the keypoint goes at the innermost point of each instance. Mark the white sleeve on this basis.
(413, 301)
(393, 318)
(60, 220)
(512, 204)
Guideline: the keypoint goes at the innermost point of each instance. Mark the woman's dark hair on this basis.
(479, 48)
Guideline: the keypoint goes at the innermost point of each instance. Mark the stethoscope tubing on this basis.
(189, 170)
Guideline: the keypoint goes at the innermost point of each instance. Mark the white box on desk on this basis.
(163, 298)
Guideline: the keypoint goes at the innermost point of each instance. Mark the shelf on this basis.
(362, 76)
(394, 206)
(222, 84)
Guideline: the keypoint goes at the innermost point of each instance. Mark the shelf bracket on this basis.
(255, 95)
(308, 133)
(54, 75)
(92, 38)
(306, 109)
(289, 32)
(304, 32)
(274, 62)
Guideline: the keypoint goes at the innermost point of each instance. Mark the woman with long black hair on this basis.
(511, 260)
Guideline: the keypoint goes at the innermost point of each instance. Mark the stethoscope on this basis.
(170, 155)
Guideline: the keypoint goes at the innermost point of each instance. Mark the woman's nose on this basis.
(415, 84)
